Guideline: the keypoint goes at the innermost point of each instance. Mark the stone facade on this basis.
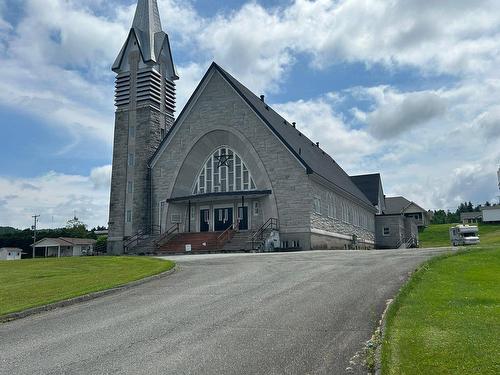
(145, 100)
(220, 117)
(210, 124)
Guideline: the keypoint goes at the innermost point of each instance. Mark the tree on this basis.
(76, 228)
(101, 244)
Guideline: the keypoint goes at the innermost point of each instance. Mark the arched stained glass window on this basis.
(223, 171)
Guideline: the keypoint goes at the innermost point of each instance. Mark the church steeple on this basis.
(146, 25)
(145, 107)
(152, 42)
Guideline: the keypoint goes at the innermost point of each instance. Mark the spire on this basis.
(146, 24)
(151, 39)
(147, 17)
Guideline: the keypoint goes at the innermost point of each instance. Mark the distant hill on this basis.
(8, 230)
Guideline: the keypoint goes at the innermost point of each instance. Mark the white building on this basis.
(10, 253)
(491, 213)
(64, 247)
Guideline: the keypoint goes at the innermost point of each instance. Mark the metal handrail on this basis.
(138, 236)
(229, 231)
(174, 228)
(272, 223)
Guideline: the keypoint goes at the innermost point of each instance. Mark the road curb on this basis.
(86, 297)
(381, 329)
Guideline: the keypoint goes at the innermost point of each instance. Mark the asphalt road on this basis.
(289, 313)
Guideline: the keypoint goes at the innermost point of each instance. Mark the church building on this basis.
(227, 173)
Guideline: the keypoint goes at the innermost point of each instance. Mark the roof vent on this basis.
(267, 107)
(262, 98)
(293, 124)
(317, 144)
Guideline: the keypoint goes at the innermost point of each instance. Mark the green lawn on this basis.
(30, 283)
(436, 235)
(446, 320)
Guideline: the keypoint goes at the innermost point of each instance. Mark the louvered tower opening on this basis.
(148, 89)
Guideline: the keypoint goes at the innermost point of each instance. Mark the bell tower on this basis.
(145, 106)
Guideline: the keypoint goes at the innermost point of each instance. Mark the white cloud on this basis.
(56, 64)
(101, 177)
(397, 112)
(319, 121)
(56, 197)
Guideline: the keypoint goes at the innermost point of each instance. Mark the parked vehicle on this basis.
(464, 235)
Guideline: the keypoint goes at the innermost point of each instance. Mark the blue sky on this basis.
(393, 87)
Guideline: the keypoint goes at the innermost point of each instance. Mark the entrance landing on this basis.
(200, 242)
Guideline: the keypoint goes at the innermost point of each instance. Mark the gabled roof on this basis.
(313, 158)
(370, 185)
(67, 241)
(11, 249)
(146, 28)
(471, 215)
(397, 205)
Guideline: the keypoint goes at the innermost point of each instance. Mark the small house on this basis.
(471, 217)
(10, 253)
(63, 247)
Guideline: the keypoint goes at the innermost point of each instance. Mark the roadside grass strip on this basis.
(31, 283)
(446, 319)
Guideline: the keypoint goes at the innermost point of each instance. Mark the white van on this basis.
(464, 235)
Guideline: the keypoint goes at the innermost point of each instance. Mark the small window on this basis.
(256, 208)
(130, 159)
(386, 231)
(317, 205)
(130, 187)
(129, 216)
(162, 131)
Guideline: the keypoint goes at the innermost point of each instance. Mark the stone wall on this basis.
(220, 117)
(333, 223)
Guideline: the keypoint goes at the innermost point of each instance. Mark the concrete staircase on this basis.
(145, 246)
(239, 242)
(200, 242)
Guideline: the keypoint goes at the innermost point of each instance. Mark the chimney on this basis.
(293, 124)
(262, 98)
(317, 144)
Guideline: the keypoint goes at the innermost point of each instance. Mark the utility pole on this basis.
(35, 218)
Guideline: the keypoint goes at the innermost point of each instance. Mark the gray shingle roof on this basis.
(395, 205)
(471, 215)
(369, 184)
(311, 156)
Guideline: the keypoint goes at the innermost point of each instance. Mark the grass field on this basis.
(30, 283)
(436, 235)
(446, 320)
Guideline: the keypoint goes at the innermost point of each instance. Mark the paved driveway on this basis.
(290, 313)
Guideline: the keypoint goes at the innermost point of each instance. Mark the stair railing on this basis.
(134, 240)
(258, 237)
(226, 235)
(168, 235)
